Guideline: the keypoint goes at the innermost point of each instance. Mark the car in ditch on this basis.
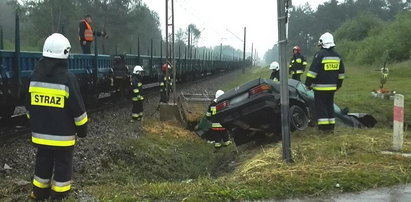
(253, 111)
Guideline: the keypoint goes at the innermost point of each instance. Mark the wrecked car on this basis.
(253, 110)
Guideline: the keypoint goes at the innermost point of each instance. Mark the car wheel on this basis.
(298, 118)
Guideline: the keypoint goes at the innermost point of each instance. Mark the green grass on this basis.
(172, 164)
(362, 80)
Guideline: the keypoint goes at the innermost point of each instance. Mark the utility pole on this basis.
(62, 31)
(151, 63)
(138, 50)
(221, 49)
(161, 51)
(16, 59)
(282, 12)
(170, 57)
(1, 38)
(245, 31)
(189, 42)
(256, 57)
(192, 46)
(169, 110)
(252, 46)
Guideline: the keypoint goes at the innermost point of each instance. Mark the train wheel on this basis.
(91, 99)
(6, 112)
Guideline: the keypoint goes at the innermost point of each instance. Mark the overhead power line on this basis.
(235, 35)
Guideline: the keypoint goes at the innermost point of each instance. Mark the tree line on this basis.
(365, 31)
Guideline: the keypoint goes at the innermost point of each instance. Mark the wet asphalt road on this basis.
(400, 193)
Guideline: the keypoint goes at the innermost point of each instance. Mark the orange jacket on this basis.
(88, 32)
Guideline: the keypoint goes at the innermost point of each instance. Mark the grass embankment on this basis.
(178, 170)
(172, 164)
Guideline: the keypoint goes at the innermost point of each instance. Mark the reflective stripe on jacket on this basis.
(53, 140)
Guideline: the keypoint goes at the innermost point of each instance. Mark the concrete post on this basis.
(285, 103)
(398, 127)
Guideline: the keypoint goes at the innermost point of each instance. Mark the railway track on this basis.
(14, 126)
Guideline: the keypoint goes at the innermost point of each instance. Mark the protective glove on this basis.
(81, 130)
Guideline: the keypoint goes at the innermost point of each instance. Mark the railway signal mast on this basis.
(282, 12)
(169, 110)
(170, 56)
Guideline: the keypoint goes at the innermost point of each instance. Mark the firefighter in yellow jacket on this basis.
(165, 83)
(57, 113)
(137, 98)
(218, 132)
(297, 64)
(325, 76)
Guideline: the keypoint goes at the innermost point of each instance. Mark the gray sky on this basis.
(223, 21)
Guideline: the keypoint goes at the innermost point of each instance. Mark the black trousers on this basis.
(220, 135)
(296, 77)
(324, 107)
(53, 172)
(137, 110)
(163, 95)
(86, 48)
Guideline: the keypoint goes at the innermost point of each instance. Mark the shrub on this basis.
(387, 42)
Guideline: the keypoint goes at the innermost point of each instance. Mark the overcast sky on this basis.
(223, 21)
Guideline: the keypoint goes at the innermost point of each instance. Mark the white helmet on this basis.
(275, 66)
(218, 93)
(326, 40)
(56, 46)
(138, 69)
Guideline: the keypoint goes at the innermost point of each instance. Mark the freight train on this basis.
(97, 74)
